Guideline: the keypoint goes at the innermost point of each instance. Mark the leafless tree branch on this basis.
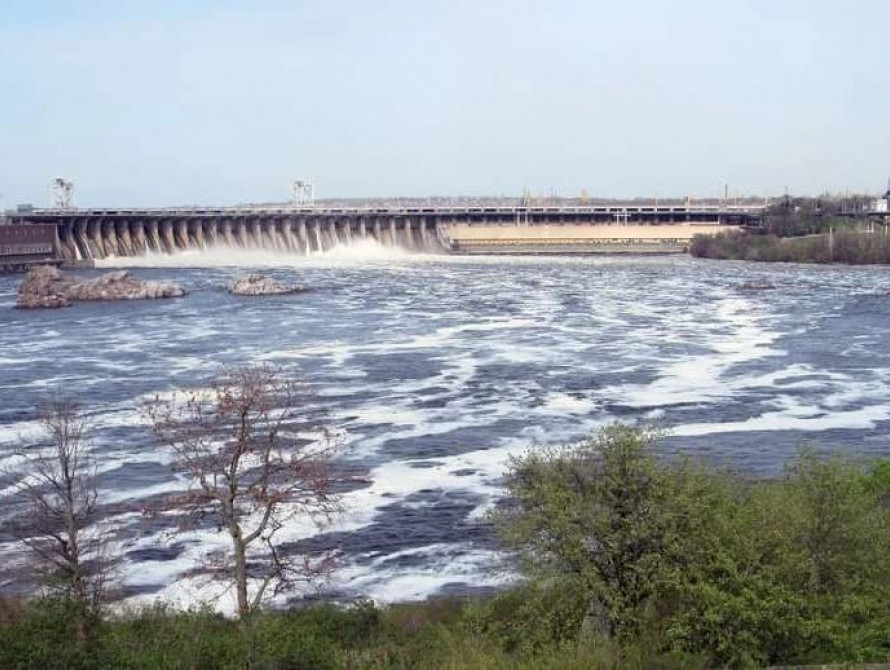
(56, 498)
(249, 471)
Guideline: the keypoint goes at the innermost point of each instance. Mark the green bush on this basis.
(530, 618)
(679, 557)
(42, 636)
(630, 560)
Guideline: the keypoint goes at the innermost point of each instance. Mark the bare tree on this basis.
(250, 473)
(55, 488)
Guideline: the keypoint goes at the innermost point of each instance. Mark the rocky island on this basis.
(256, 284)
(47, 287)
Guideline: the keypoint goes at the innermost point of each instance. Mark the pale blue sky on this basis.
(163, 102)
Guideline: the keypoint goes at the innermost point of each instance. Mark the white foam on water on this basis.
(444, 565)
(364, 249)
(810, 420)
(591, 322)
(360, 251)
(734, 334)
(20, 434)
(563, 403)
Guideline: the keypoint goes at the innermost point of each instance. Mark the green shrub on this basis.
(631, 561)
(676, 557)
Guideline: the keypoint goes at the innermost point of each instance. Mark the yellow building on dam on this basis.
(577, 238)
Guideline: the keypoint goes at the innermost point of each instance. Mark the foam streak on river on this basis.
(437, 369)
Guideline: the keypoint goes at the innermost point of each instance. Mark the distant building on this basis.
(24, 245)
(882, 205)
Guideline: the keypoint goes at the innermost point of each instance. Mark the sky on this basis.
(215, 102)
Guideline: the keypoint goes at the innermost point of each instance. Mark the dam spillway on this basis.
(95, 234)
(103, 234)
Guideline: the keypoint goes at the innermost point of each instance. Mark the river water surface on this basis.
(435, 369)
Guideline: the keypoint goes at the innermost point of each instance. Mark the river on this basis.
(435, 369)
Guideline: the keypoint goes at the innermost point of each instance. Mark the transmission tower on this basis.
(302, 192)
(62, 194)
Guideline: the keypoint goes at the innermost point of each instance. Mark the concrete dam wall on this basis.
(95, 240)
(87, 235)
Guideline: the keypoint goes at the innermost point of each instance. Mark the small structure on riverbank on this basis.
(47, 287)
(881, 206)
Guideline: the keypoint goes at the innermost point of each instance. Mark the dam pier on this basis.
(82, 235)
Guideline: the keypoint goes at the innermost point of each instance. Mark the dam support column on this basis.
(240, 233)
(312, 239)
(227, 233)
(76, 249)
(302, 236)
(137, 237)
(167, 236)
(282, 227)
(261, 235)
(208, 233)
(124, 243)
(133, 238)
(62, 237)
(68, 247)
(154, 238)
(428, 239)
(181, 234)
(200, 232)
(111, 245)
(93, 234)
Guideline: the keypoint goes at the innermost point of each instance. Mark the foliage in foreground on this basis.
(694, 560)
(438, 634)
(632, 562)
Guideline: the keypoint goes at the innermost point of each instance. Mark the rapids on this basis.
(436, 369)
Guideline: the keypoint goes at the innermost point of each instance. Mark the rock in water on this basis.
(255, 284)
(46, 287)
(756, 286)
(43, 288)
(121, 286)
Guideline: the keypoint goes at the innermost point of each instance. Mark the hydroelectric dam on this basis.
(84, 235)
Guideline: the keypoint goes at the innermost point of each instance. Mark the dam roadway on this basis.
(91, 234)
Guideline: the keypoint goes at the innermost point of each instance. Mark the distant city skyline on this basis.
(217, 103)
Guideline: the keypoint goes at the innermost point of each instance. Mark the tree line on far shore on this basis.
(628, 558)
(843, 245)
(803, 230)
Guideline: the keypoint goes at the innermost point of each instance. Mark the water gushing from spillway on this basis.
(154, 239)
(223, 255)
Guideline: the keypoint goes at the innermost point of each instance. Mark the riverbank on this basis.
(502, 632)
(845, 246)
(698, 568)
